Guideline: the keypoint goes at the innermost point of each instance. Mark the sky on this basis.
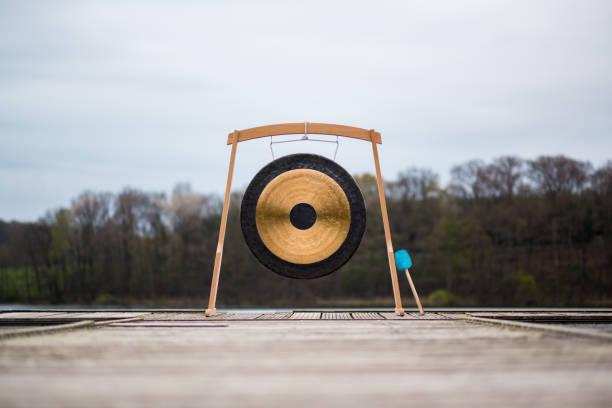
(103, 95)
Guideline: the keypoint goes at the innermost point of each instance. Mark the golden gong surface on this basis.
(303, 186)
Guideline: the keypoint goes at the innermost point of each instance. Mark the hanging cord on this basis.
(337, 145)
(305, 138)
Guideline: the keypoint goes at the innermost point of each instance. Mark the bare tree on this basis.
(467, 179)
(414, 184)
(504, 175)
(601, 180)
(557, 174)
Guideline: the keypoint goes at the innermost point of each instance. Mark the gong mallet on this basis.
(403, 261)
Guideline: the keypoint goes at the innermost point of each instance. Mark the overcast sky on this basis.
(103, 95)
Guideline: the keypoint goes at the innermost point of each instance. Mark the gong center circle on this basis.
(303, 216)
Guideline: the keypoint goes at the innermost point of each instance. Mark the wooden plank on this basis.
(366, 316)
(241, 316)
(305, 316)
(60, 317)
(216, 316)
(542, 316)
(393, 316)
(336, 316)
(543, 327)
(417, 316)
(28, 331)
(183, 324)
(298, 128)
(26, 315)
(97, 315)
(426, 316)
(183, 316)
(274, 316)
(452, 316)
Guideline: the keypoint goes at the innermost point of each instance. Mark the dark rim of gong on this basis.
(353, 195)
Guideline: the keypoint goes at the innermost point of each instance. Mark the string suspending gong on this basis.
(303, 216)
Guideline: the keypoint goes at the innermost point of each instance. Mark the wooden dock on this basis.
(305, 358)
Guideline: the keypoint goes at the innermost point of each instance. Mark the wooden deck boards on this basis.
(98, 315)
(27, 315)
(241, 316)
(298, 315)
(305, 316)
(275, 316)
(184, 316)
(336, 316)
(312, 359)
(366, 316)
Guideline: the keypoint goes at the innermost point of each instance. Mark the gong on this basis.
(303, 216)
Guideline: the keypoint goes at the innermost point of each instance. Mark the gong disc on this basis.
(303, 216)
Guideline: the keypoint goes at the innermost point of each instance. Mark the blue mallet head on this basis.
(402, 260)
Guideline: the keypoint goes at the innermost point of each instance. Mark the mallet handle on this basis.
(414, 292)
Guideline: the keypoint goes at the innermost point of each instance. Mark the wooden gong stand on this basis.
(305, 128)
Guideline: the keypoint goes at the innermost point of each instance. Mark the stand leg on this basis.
(212, 300)
(414, 292)
(383, 208)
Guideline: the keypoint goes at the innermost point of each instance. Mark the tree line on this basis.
(510, 232)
